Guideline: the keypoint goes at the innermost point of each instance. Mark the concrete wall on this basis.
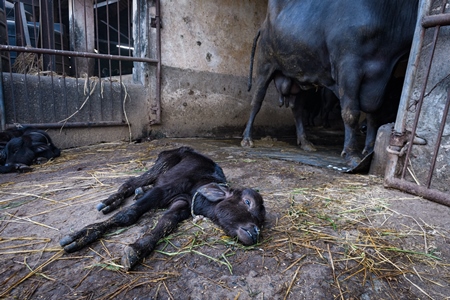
(206, 48)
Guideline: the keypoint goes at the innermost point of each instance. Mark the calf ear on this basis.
(214, 192)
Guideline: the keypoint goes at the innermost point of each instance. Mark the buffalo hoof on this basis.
(351, 159)
(367, 150)
(247, 143)
(307, 146)
(130, 258)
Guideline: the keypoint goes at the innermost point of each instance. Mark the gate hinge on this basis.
(399, 142)
(154, 21)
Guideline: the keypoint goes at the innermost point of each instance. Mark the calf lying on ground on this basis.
(188, 184)
(21, 147)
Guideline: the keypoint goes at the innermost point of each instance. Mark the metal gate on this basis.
(67, 62)
(416, 167)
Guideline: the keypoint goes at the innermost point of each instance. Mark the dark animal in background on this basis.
(303, 103)
(329, 102)
(349, 47)
(21, 147)
(187, 183)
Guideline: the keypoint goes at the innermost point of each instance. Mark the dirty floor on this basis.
(328, 235)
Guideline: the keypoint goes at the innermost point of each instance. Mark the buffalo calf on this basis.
(21, 147)
(187, 183)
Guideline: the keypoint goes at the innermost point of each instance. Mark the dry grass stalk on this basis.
(27, 62)
(31, 221)
(38, 269)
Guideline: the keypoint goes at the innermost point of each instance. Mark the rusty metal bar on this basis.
(439, 139)
(77, 54)
(435, 20)
(158, 65)
(71, 125)
(422, 191)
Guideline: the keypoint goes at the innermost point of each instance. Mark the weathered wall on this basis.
(206, 48)
(431, 115)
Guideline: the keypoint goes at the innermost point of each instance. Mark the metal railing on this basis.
(402, 141)
(59, 56)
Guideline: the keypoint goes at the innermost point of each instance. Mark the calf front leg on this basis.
(178, 211)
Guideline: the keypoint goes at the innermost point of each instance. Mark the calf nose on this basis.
(252, 234)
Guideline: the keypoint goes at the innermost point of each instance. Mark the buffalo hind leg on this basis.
(297, 111)
(178, 211)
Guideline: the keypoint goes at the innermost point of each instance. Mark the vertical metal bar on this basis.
(422, 94)
(99, 68)
(2, 98)
(109, 61)
(158, 66)
(408, 90)
(47, 32)
(19, 26)
(439, 139)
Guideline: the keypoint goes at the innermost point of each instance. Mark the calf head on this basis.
(240, 212)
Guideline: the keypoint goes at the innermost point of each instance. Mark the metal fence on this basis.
(65, 61)
(430, 178)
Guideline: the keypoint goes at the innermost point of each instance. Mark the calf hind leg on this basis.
(128, 216)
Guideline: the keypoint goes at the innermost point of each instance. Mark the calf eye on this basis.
(246, 201)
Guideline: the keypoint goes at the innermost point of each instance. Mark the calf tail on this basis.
(255, 41)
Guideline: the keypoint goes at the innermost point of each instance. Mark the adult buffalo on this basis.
(347, 46)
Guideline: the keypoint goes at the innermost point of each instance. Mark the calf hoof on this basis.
(100, 206)
(130, 258)
(21, 168)
(247, 143)
(69, 244)
(41, 160)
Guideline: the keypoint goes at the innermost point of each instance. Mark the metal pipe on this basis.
(434, 20)
(2, 101)
(70, 125)
(419, 190)
(76, 54)
(407, 91)
(157, 119)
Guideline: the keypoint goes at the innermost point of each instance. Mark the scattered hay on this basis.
(346, 225)
(343, 227)
(28, 63)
